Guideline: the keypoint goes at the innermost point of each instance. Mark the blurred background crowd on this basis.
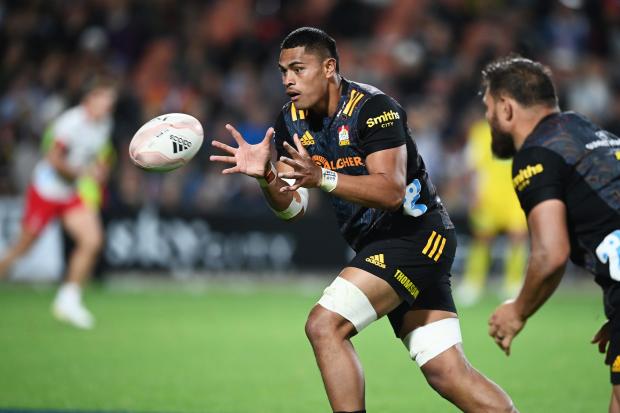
(217, 60)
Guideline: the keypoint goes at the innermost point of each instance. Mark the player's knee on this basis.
(92, 243)
(446, 376)
(323, 325)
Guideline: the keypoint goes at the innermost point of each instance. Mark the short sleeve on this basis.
(538, 174)
(281, 135)
(381, 125)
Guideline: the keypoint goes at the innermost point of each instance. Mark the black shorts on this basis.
(416, 266)
(612, 301)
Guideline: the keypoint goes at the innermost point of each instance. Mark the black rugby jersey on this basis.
(567, 157)
(366, 121)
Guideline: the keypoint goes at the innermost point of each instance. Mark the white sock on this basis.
(70, 292)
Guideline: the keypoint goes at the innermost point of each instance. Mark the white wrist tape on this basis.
(329, 180)
(295, 207)
(345, 298)
(427, 342)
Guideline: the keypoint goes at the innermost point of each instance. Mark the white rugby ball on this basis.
(166, 142)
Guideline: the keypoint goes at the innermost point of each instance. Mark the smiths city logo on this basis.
(385, 120)
(339, 163)
(407, 283)
(179, 144)
(377, 260)
(522, 179)
(307, 139)
(343, 135)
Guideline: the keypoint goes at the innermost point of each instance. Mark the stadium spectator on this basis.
(388, 211)
(567, 177)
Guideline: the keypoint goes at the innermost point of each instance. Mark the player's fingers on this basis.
(235, 134)
(506, 342)
(602, 346)
(268, 136)
(290, 175)
(289, 162)
(225, 159)
(224, 147)
(232, 170)
(492, 329)
(300, 148)
(292, 151)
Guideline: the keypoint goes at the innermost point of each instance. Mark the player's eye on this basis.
(298, 70)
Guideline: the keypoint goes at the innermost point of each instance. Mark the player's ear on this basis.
(329, 67)
(506, 108)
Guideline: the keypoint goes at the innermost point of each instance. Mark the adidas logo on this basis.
(377, 260)
(179, 144)
(307, 139)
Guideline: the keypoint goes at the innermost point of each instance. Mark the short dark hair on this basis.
(528, 82)
(312, 39)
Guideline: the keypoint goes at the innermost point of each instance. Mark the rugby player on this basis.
(352, 141)
(78, 137)
(566, 173)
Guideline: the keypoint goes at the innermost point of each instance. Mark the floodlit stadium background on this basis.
(204, 293)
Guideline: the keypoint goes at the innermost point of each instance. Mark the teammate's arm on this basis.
(538, 176)
(550, 249)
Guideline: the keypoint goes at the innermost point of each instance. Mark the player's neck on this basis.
(530, 119)
(328, 106)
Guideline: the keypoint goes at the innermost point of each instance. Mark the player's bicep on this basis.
(381, 125)
(549, 231)
(391, 163)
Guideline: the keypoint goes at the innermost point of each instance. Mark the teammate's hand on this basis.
(305, 172)
(504, 325)
(251, 160)
(602, 338)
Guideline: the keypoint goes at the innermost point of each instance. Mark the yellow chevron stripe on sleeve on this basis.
(429, 242)
(443, 243)
(353, 104)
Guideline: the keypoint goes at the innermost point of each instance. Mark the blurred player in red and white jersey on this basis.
(79, 135)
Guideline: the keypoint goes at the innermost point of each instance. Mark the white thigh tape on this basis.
(344, 298)
(427, 342)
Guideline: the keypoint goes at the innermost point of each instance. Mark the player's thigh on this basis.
(379, 292)
(83, 224)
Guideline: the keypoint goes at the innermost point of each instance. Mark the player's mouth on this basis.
(293, 95)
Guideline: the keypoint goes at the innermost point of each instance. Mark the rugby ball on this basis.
(166, 142)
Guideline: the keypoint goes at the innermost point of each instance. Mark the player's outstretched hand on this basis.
(504, 325)
(251, 160)
(602, 338)
(305, 172)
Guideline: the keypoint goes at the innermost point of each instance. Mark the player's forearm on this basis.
(373, 191)
(277, 200)
(68, 173)
(543, 276)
